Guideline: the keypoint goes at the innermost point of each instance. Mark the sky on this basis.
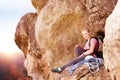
(10, 13)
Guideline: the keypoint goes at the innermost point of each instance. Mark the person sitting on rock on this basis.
(82, 53)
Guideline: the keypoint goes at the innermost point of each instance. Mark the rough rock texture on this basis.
(82, 73)
(25, 31)
(57, 29)
(39, 4)
(112, 43)
(35, 61)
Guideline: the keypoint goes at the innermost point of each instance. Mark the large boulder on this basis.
(111, 46)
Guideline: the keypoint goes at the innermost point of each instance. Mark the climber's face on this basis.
(86, 34)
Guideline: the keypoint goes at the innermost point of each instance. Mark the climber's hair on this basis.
(85, 28)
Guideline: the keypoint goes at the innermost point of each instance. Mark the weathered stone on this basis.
(24, 35)
(83, 73)
(39, 4)
(35, 62)
(112, 43)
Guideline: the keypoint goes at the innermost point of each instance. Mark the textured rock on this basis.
(25, 39)
(39, 4)
(57, 29)
(36, 61)
(24, 32)
(112, 43)
(82, 73)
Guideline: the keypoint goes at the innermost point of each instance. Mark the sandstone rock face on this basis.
(48, 37)
(82, 73)
(25, 31)
(112, 43)
(39, 4)
(25, 39)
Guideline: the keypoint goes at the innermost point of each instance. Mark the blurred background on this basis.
(11, 57)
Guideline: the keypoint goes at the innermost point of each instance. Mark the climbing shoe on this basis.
(57, 70)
